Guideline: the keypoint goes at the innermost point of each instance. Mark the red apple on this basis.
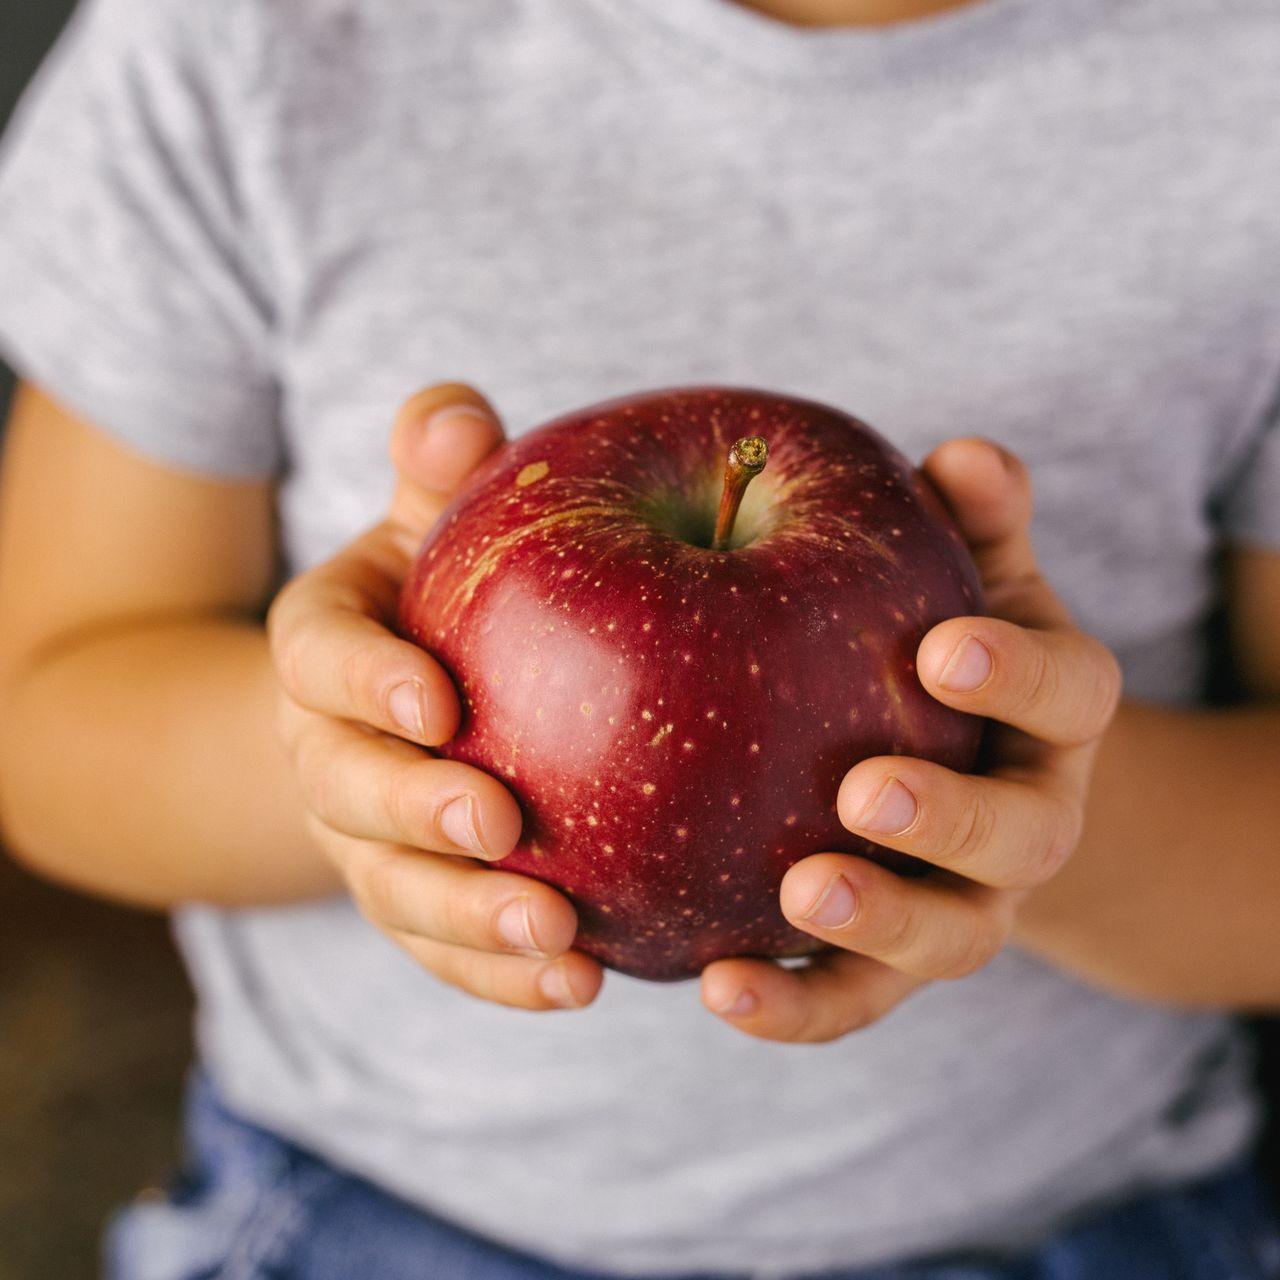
(675, 719)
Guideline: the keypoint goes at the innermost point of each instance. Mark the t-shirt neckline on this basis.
(735, 35)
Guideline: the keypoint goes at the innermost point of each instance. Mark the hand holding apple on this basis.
(673, 663)
(357, 708)
(994, 838)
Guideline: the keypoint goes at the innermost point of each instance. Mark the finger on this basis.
(333, 657)
(568, 982)
(379, 788)
(988, 491)
(453, 900)
(928, 928)
(996, 831)
(1059, 686)
(327, 645)
(837, 993)
(440, 436)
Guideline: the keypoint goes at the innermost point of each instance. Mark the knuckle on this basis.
(449, 964)
(289, 661)
(1108, 685)
(1054, 845)
(813, 1027)
(494, 979)
(822, 1035)
(900, 933)
(331, 843)
(1052, 839)
(982, 944)
(1060, 841)
(1040, 683)
(317, 778)
(357, 676)
(822, 1025)
(379, 887)
(434, 963)
(402, 804)
(853, 1018)
(468, 919)
(521, 996)
(972, 831)
(283, 635)
(277, 620)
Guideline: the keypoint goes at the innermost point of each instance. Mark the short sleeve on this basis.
(1249, 507)
(130, 287)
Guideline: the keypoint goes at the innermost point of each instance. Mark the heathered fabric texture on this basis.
(236, 232)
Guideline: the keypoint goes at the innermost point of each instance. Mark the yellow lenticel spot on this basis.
(531, 474)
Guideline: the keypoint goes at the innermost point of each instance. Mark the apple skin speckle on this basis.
(563, 588)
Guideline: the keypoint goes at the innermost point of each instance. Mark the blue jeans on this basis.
(251, 1206)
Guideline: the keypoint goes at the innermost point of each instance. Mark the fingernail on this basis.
(515, 928)
(406, 704)
(835, 906)
(553, 982)
(458, 822)
(968, 668)
(738, 1005)
(445, 422)
(892, 810)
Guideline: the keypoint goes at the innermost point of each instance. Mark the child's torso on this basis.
(1026, 221)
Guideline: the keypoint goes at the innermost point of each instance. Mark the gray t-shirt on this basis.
(236, 232)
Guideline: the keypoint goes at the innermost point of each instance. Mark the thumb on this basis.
(440, 436)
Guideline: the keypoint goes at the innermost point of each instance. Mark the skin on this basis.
(850, 13)
(289, 749)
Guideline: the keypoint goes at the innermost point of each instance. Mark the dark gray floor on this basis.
(94, 1042)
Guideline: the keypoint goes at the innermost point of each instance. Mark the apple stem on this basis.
(746, 461)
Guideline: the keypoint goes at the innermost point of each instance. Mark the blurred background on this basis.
(94, 1007)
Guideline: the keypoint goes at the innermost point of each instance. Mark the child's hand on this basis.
(994, 837)
(358, 706)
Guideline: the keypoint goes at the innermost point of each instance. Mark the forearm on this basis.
(142, 764)
(1174, 892)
